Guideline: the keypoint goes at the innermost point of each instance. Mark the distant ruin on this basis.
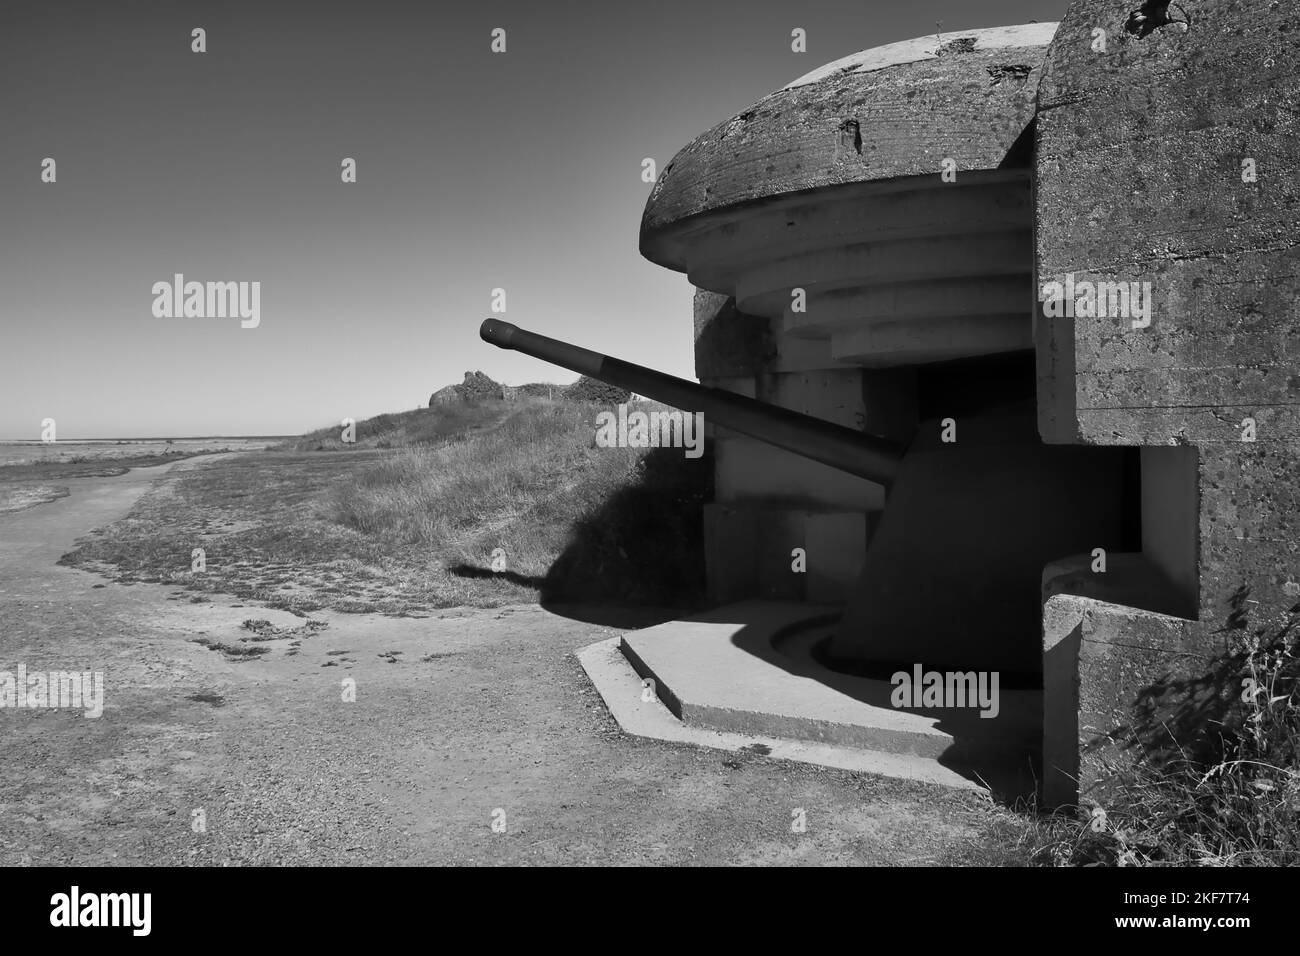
(476, 387)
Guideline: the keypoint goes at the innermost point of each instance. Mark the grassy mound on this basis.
(421, 426)
(576, 521)
(517, 505)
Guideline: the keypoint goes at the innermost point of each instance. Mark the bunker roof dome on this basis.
(892, 111)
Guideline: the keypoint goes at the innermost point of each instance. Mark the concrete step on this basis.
(747, 669)
(645, 715)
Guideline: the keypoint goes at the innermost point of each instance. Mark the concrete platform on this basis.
(621, 688)
(746, 670)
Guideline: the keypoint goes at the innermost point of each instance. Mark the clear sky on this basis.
(475, 171)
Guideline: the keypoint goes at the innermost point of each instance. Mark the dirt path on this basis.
(456, 719)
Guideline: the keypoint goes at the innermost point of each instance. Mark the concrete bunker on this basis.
(870, 247)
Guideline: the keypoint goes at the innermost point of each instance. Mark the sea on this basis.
(30, 452)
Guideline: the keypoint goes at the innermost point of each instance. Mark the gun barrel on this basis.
(857, 453)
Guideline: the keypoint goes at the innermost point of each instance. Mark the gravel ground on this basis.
(474, 738)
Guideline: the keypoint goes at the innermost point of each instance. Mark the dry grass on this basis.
(1234, 801)
(412, 528)
(20, 496)
(521, 488)
(422, 426)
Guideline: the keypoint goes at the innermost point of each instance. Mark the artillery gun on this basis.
(975, 506)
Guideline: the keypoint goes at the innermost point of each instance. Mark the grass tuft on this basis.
(1230, 799)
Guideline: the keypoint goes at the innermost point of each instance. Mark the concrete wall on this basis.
(1139, 140)
(769, 502)
(1139, 178)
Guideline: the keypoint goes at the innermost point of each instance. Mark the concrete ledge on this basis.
(928, 47)
(900, 116)
(621, 689)
(1096, 656)
(722, 672)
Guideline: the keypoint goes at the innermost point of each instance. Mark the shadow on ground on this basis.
(638, 559)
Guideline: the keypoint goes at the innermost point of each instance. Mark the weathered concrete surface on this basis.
(1131, 580)
(832, 185)
(1141, 145)
(1140, 155)
(970, 104)
(889, 272)
(729, 344)
(749, 552)
(768, 502)
(928, 48)
(894, 210)
(1119, 684)
(723, 671)
(623, 691)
